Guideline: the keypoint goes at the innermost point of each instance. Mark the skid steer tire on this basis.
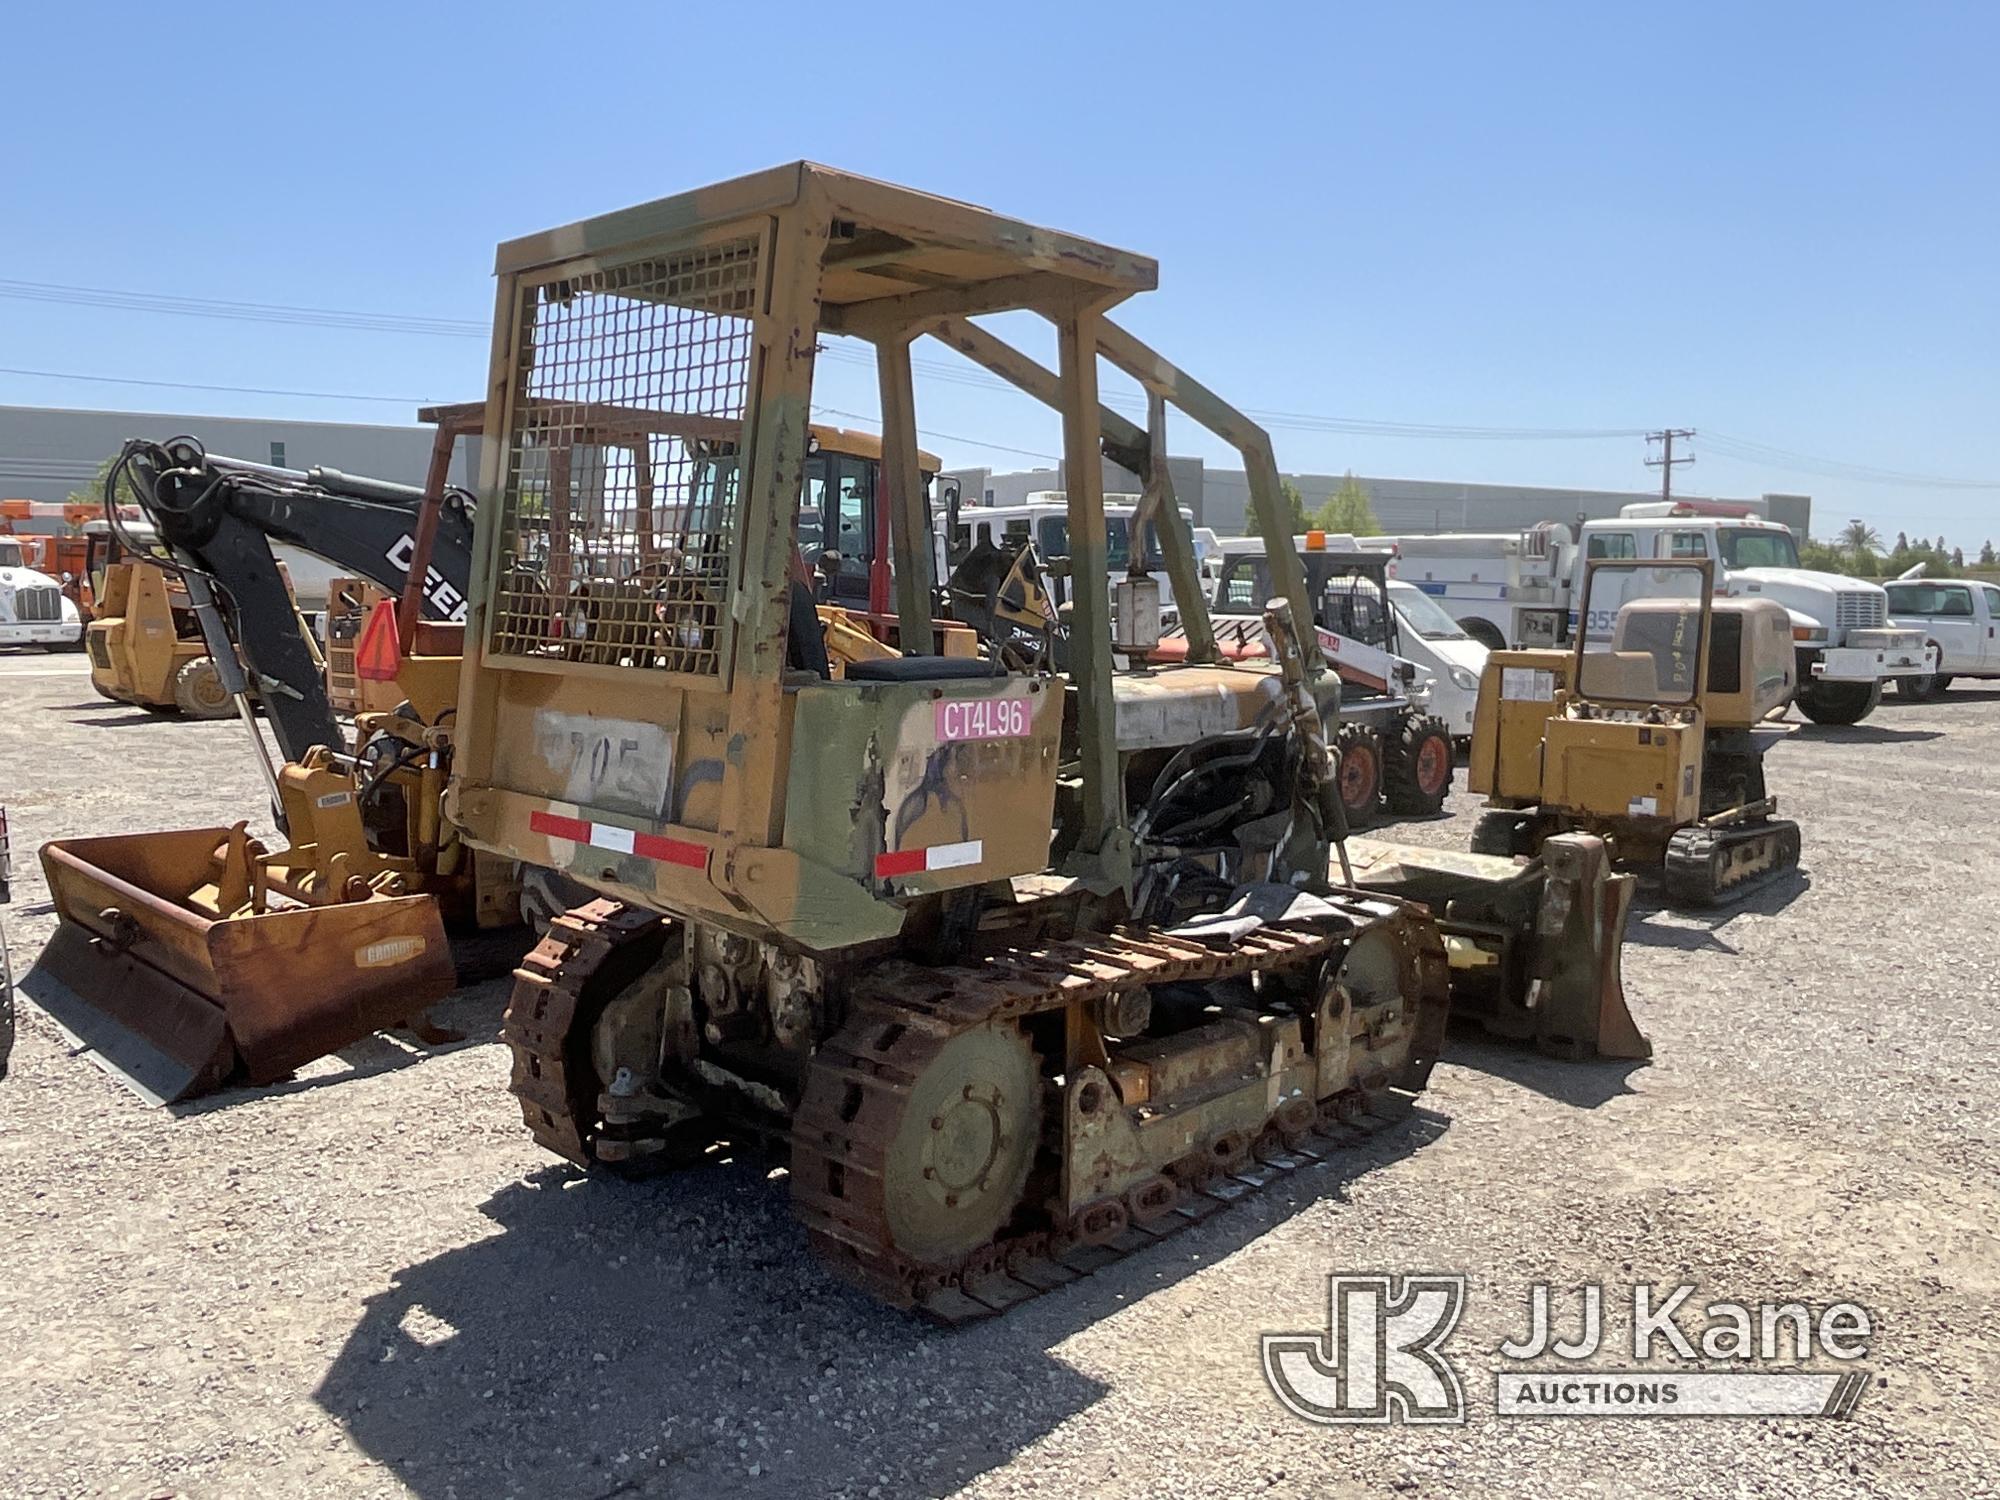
(1357, 769)
(1838, 703)
(198, 691)
(1417, 766)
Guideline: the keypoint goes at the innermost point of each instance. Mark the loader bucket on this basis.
(176, 1000)
(1535, 946)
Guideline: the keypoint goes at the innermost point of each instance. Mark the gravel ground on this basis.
(369, 1281)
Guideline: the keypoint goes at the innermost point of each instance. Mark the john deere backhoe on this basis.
(189, 958)
(1025, 968)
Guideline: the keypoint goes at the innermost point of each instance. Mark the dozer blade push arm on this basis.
(222, 517)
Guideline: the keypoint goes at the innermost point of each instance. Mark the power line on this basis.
(239, 390)
(948, 437)
(250, 312)
(1742, 450)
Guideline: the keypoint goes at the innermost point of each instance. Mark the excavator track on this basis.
(1708, 865)
(903, 1016)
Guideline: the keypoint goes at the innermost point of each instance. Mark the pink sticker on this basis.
(982, 719)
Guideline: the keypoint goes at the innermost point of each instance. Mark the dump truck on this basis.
(1024, 969)
(189, 959)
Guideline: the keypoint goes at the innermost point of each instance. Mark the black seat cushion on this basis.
(921, 669)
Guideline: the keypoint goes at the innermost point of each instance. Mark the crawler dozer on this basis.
(184, 960)
(1642, 733)
(1024, 968)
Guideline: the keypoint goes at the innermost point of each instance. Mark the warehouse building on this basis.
(1220, 498)
(47, 453)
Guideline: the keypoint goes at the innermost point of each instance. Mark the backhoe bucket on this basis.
(176, 1000)
(1535, 947)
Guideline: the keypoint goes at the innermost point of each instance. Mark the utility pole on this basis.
(1666, 461)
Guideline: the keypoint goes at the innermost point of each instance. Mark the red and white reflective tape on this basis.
(937, 857)
(620, 840)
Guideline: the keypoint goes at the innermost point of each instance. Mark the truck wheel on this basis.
(1838, 702)
(1921, 689)
(1357, 769)
(198, 690)
(1485, 632)
(1416, 766)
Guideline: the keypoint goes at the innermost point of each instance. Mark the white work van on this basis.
(33, 608)
(1520, 589)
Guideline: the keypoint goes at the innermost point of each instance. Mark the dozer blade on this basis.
(1535, 947)
(175, 1000)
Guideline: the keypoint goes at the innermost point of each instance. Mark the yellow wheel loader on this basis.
(1641, 733)
(1025, 968)
(184, 960)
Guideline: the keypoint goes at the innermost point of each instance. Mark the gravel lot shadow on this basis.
(1868, 734)
(123, 717)
(1584, 1085)
(1656, 925)
(468, 1017)
(677, 1337)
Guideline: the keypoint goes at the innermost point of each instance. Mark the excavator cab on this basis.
(1642, 731)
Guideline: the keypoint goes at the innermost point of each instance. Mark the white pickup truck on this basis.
(1520, 589)
(1959, 618)
(33, 610)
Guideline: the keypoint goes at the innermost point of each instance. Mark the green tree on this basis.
(1295, 505)
(1347, 510)
(93, 493)
(1986, 555)
(1860, 538)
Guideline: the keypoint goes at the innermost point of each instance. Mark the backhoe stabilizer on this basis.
(164, 977)
(1535, 945)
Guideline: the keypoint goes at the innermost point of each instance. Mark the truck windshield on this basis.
(1754, 547)
(1424, 614)
(1052, 537)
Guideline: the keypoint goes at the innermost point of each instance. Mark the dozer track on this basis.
(599, 944)
(875, 1083)
(1710, 864)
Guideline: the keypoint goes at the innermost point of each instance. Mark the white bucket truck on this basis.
(1519, 589)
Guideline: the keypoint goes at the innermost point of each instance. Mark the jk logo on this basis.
(1379, 1359)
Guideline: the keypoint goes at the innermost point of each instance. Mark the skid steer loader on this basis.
(1642, 732)
(1026, 969)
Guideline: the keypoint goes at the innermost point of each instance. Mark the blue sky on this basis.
(1775, 223)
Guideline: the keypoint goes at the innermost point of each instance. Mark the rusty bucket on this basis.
(177, 997)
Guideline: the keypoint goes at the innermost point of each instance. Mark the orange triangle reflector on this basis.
(378, 654)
